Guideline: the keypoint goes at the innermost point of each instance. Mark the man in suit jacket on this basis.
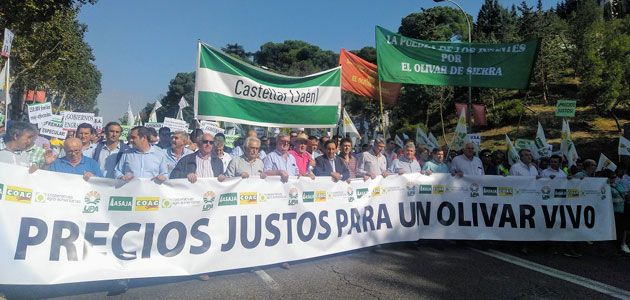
(331, 165)
(199, 164)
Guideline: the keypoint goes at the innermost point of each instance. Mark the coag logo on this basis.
(147, 203)
(293, 196)
(573, 193)
(545, 191)
(474, 190)
(411, 189)
(559, 193)
(506, 191)
(228, 199)
(91, 201)
(308, 196)
(489, 191)
(361, 193)
(208, 201)
(425, 189)
(248, 198)
(376, 191)
(438, 189)
(19, 194)
(117, 203)
(350, 194)
(320, 196)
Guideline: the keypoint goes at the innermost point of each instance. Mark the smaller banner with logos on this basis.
(106, 229)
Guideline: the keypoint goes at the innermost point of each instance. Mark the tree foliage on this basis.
(295, 58)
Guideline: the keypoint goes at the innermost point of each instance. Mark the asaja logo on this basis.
(147, 203)
(474, 190)
(91, 201)
(166, 203)
(506, 191)
(573, 193)
(1, 190)
(411, 189)
(438, 189)
(117, 203)
(228, 199)
(248, 198)
(425, 189)
(293, 196)
(489, 190)
(361, 193)
(19, 194)
(208, 200)
(559, 193)
(308, 196)
(320, 196)
(545, 192)
(350, 194)
(40, 197)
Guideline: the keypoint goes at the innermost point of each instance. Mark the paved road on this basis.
(397, 271)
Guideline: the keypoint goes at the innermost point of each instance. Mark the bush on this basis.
(506, 112)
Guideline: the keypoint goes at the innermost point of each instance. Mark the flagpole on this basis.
(380, 96)
(6, 98)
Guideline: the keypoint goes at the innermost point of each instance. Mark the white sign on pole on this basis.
(210, 127)
(475, 138)
(6, 45)
(98, 123)
(175, 125)
(156, 125)
(53, 128)
(72, 120)
(40, 112)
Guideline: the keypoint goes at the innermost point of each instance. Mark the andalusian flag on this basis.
(348, 126)
(434, 140)
(605, 163)
(460, 132)
(624, 146)
(512, 154)
(227, 89)
(540, 143)
(566, 145)
(398, 141)
(153, 115)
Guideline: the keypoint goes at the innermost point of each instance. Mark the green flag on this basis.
(227, 89)
(407, 60)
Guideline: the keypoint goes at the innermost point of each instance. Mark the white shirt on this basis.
(469, 167)
(548, 172)
(226, 160)
(204, 167)
(520, 169)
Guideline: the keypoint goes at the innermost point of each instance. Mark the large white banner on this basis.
(57, 228)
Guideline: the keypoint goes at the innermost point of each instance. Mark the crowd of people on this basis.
(160, 155)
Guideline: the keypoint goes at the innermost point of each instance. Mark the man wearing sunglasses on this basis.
(199, 164)
(280, 162)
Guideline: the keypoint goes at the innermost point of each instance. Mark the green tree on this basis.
(182, 85)
(237, 51)
(295, 58)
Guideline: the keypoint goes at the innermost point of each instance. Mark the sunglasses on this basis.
(206, 141)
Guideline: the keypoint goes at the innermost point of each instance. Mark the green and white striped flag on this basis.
(227, 89)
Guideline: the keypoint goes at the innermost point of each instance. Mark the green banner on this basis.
(407, 60)
(565, 108)
(125, 132)
(227, 89)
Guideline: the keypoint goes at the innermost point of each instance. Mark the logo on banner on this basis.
(350, 193)
(308, 196)
(376, 191)
(19, 194)
(545, 192)
(425, 189)
(293, 196)
(573, 193)
(40, 197)
(90, 202)
(320, 196)
(1, 190)
(166, 203)
(117, 203)
(362, 192)
(438, 189)
(506, 191)
(248, 198)
(489, 191)
(559, 193)
(147, 203)
(228, 199)
(411, 189)
(208, 200)
(603, 192)
(474, 190)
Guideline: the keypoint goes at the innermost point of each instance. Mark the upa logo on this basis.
(228, 199)
(350, 193)
(438, 189)
(361, 193)
(293, 196)
(425, 189)
(474, 190)
(411, 189)
(117, 203)
(19, 194)
(208, 200)
(320, 196)
(248, 198)
(573, 193)
(91, 201)
(506, 191)
(545, 191)
(376, 191)
(559, 193)
(308, 196)
(489, 190)
(147, 203)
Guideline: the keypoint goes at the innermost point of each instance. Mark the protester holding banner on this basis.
(373, 163)
(347, 157)
(467, 163)
(330, 164)
(144, 160)
(589, 167)
(280, 162)
(303, 159)
(553, 170)
(84, 133)
(423, 154)
(524, 167)
(75, 162)
(177, 150)
(108, 152)
(436, 164)
(406, 163)
(200, 164)
(16, 138)
(248, 163)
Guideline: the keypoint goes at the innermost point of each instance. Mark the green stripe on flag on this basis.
(213, 104)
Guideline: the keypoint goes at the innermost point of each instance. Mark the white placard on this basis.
(40, 112)
(6, 44)
(211, 128)
(156, 125)
(72, 120)
(98, 123)
(175, 125)
(53, 128)
(474, 138)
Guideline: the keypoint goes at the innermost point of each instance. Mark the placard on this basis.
(175, 124)
(72, 120)
(39, 112)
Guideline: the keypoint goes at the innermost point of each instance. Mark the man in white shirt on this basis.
(373, 163)
(553, 170)
(467, 163)
(524, 167)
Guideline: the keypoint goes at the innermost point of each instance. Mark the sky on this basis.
(140, 45)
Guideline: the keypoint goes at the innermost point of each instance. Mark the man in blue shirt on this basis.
(436, 165)
(143, 160)
(177, 150)
(74, 162)
(280, 162)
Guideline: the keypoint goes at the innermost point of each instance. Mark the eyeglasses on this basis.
(281, 142)
(206, 141)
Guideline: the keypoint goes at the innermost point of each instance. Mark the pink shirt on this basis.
(302, 161)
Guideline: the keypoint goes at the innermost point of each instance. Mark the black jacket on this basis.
(323, 167)
(188, 164)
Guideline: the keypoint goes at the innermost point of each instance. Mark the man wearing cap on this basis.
(280, 162)
(303, 159)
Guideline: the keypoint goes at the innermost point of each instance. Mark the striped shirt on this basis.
(204, 166)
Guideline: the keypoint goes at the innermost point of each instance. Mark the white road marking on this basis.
(575, 279)
(272, 284)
